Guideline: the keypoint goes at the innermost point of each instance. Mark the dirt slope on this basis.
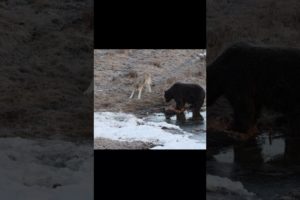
(46, 63)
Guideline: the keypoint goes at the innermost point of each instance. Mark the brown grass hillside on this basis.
(46, 63)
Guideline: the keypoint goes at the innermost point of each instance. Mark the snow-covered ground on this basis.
(223, 188)
(45, 169)
(127, 127)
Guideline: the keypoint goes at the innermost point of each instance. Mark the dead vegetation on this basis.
(261, 22)
(46, 64)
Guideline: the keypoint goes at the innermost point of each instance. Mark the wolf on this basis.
(140, 83)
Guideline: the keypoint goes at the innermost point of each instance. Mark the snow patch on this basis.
(45, 169)
(222, 184)
(127, 127)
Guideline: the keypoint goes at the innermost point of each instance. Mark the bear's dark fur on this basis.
(252, 78)
(183, 93)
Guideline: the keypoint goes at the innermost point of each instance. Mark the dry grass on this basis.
(262, 22)
(46, 60)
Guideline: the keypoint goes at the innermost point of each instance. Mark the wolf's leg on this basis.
(149, 88)
(132, 94)
(140, 92)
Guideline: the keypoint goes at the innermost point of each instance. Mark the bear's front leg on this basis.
(180, 117)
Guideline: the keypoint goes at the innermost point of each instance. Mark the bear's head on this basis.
(168, 96)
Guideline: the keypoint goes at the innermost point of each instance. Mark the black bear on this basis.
(255, 77)
(183, 93)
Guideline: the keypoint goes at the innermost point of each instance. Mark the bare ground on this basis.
(103, 143)
(46, 64)
(260, 22)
